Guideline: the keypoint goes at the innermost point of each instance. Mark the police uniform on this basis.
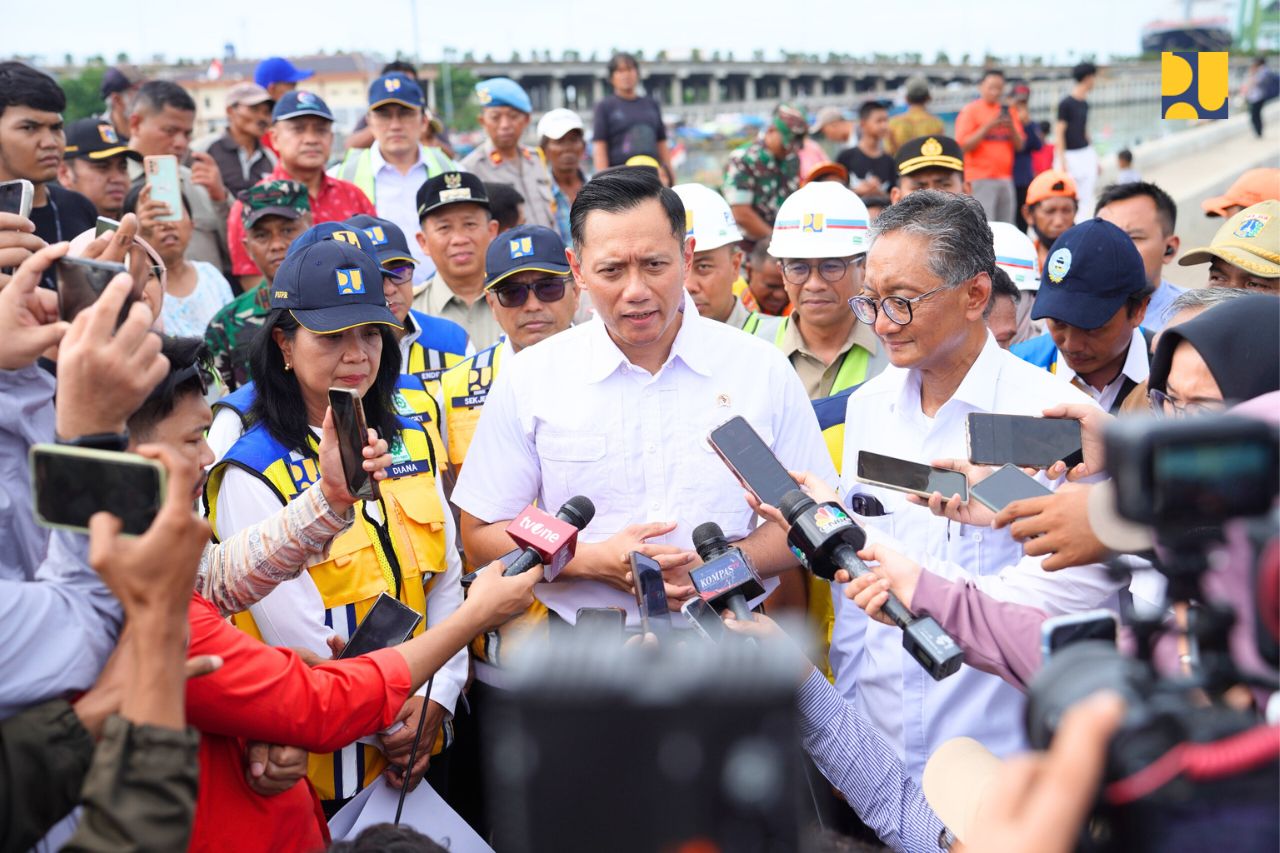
(527, 171)
(401, 544)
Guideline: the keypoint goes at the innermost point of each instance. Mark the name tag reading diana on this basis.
(402, 464)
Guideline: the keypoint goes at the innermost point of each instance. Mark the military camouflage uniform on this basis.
(231, 332)
(754, 176)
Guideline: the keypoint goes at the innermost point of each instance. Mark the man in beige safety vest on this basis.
(820, 238)
(390, 170)
(717, 257)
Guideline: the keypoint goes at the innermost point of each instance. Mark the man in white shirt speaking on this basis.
(618, 410)
(926, 289)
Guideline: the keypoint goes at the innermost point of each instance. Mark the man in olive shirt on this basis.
(820, 236)
(457, 227)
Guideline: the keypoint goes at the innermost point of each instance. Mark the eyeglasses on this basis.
(545, 289)
(399, 275)
(830, 269)
(1165, 406)
(896, 308)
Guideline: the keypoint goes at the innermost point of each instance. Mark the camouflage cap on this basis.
(790, 122)
(274, 198)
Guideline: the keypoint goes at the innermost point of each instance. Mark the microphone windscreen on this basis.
(579, 511)
(793, 503)
(707, 533)
(956, 779)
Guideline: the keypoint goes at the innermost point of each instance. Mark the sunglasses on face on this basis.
(400, 274)
(545, 289)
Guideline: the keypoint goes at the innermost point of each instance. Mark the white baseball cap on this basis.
(1016, 255)
(820, 220)
(707, 217)
(556, 123)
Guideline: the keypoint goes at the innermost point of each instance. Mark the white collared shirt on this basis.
(572, 416)
(871, 667)
(1137, 367)
(397, 200)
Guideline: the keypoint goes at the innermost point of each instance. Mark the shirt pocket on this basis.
(578, 463)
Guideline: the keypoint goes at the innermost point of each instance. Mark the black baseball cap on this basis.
(95, 139)
(331, 286)
(389, 243)
(451, 188)
(929, 152)
(119, 78)
(1092, 270)
(525, 247)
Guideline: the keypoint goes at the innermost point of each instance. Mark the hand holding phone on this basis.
(81, 281)
(651, 595)
(17, 197)
(1008, 484)
(69, 484)
(164, 184)
(388, 623)
(353, 435)
(1023, 441)
(704, 619)
(911, 477)
(751, 460)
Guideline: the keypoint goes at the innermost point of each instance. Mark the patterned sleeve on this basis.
(241, 571)
(738, 186)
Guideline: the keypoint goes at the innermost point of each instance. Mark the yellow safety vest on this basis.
(400, 557)
(463, 390)
(853, 364)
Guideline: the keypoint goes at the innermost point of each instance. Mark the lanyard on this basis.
(57, 218)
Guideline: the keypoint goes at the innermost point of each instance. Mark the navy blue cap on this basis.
(277, 69)
(300, 103)
(503, 92)
(331, 286)
(525, 247)
(1093, 268)
(396, 88)
(350, 234)
(389, 243)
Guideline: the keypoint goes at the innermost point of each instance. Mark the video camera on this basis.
(1183, 773)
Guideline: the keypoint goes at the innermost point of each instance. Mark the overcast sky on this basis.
(142, 28)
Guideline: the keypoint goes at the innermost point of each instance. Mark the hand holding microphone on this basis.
(726, 580)
(549, 541)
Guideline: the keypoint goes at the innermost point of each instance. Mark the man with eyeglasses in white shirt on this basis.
(926, 290)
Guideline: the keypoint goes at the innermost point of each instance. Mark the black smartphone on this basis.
(70, 484)
(1057, 632)
(506, 559)
(105, 224)
(911, 477)
(81, 281)
(601, 623)
(388, 623)
(1024, 441)
(353, 435)
(704, 619)
(1005, 486)
(651, 595)
(751, 460)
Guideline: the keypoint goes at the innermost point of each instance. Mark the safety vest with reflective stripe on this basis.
(856, 366)
(357, 167)
(402, 556)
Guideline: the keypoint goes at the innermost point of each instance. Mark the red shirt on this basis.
(264, 693)
(338, 200)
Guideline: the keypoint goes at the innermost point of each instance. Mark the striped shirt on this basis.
(856, 758)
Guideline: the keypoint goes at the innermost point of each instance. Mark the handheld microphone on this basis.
(826, 539)
(726, 580)
(548, 541)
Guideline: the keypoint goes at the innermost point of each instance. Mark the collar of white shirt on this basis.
(978, 388)
(378, 162)
(689, 347)
(1137, 364)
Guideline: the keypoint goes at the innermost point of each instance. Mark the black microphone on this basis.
(726, 578)
(549, 540)
(826, 539)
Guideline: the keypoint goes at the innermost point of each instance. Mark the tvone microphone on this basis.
(726, 580)
(548, 541)
(826, 539)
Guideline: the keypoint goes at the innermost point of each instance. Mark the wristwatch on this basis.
(116, 441)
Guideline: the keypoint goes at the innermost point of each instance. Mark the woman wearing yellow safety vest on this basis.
(329, 327)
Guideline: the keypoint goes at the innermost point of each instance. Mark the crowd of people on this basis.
(542, 318)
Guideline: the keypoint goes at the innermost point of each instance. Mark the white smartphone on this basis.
(162, 177)
(17, 197)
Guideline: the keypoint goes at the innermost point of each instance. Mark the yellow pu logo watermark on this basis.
(1193, 85)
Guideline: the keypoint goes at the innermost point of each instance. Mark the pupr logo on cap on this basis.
(350, 281)
(376, 235)
(392, 84)
(813, 223)
(347, 237)
(1251, 225)
(108, 134)
(521, 248)
(1059, 265)
(931, 147)
(483, 96)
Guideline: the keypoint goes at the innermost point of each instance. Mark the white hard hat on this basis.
(820, 220)
(707, 217)
(556, 123)
(1016, 255)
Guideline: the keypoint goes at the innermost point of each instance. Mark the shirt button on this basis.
(654, 506)
(653, 448)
